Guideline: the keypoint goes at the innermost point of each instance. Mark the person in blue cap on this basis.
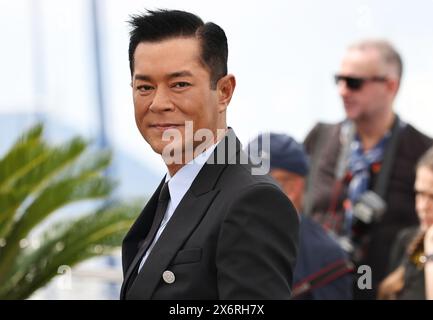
(323, 270)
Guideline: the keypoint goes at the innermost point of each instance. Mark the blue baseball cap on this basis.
(284, 152)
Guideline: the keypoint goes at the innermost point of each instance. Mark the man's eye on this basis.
(144, 88)
(181, 85)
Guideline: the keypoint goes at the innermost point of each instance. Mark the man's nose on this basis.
(161, 101)
(343, 90)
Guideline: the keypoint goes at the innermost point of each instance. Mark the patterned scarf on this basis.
(359, 167)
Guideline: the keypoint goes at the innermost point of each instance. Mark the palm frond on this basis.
(53, 162)
(36, 173)
(36, 180)
(27, 148)
(53, 197)
(69, 244)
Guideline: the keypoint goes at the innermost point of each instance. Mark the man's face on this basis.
(170, 86)
(373, 97)
(291, 183)
(424, 196)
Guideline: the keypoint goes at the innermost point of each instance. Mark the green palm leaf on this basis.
(29, 146)
(53, 197)
(35, 173)
(35, 181)
(83, 238)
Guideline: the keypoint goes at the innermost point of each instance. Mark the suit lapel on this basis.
(185, 219)
(138, 232)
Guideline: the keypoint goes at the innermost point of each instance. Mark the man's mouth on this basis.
(165, 126)
(349, 103)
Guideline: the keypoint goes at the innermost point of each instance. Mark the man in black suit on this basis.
(213, 229)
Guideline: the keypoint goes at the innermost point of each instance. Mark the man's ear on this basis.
(393, 85)
(225, 88)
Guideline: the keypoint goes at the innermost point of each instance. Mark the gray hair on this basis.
(389, 54)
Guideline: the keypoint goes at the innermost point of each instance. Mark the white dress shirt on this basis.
(178, 185)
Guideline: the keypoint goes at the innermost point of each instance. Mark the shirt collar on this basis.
(179, 184)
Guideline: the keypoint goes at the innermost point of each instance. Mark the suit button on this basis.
(168, 277)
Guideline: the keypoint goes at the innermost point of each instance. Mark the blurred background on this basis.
(65, 64)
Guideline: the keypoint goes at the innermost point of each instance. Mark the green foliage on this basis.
(36, 180)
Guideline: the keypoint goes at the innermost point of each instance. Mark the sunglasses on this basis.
(354, 83)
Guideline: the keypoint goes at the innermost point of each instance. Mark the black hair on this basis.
(154, 26)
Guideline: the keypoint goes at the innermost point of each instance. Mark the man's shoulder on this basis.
(411, 133)
(317, 250)
(244, 176)
(237, 184)
(318, 240)
(321, 129)
(413, 143)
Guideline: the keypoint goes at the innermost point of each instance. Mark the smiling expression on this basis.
(171, 85)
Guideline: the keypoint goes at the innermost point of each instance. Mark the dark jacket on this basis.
(414, 277)
(233, 236)
(400, 195)
(318, 255)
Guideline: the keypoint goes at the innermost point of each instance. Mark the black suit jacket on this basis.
(233, 236)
